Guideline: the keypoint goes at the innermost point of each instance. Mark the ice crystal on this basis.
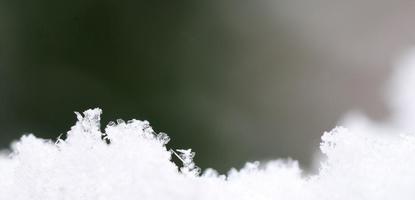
(189, 167)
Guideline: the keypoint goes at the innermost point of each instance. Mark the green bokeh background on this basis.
(235, 81)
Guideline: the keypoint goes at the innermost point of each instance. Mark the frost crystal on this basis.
(163, 138)
(129, 160)
(189, 167)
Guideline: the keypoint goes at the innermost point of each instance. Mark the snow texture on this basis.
(129, 160)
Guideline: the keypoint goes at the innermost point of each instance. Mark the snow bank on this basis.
(128, 160)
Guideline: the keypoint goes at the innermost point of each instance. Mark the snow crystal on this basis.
(189, 167)
(129, 160)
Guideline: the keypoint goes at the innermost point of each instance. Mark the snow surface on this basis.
(128, 160)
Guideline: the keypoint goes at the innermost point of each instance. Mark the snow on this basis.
(129, 160)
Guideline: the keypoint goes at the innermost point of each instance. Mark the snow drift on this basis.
(129, 160)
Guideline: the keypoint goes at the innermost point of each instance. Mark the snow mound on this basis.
(129, 160)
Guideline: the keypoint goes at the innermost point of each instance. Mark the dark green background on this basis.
(234, 80)
(134, 59)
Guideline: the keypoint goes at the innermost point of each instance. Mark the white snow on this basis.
(128, 160)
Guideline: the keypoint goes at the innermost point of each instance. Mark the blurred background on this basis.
(233, 80)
